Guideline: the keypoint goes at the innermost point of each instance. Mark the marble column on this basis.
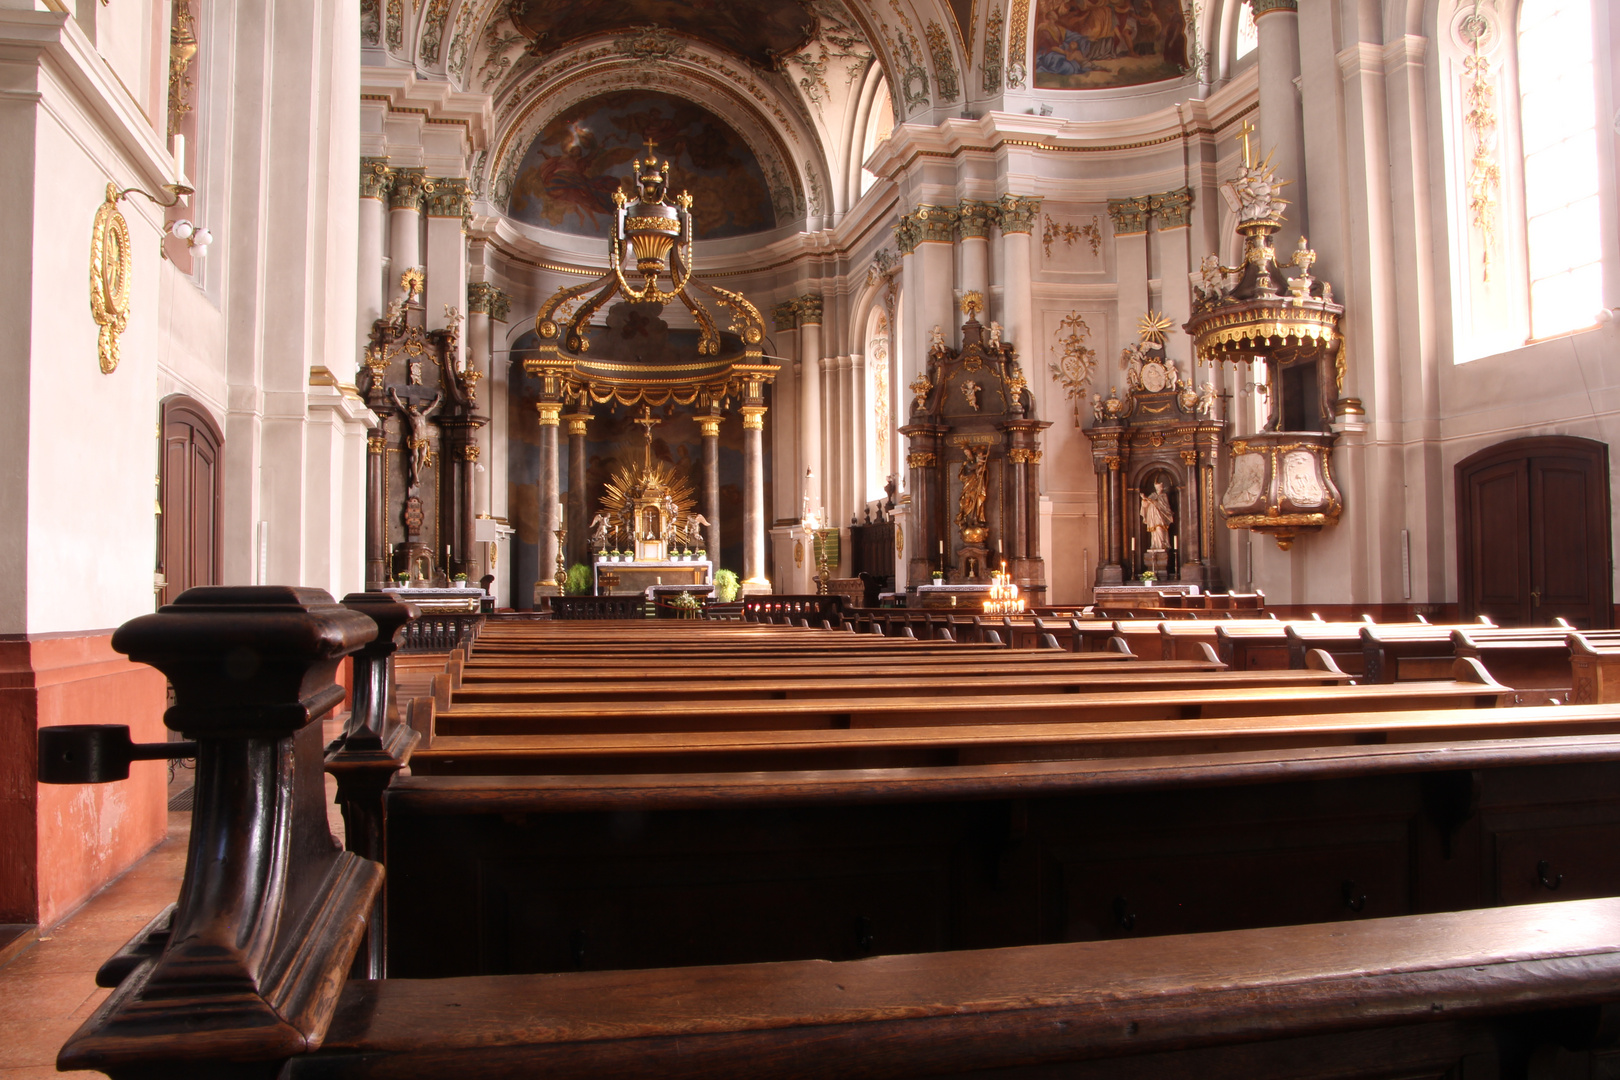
(754, 498)
(1130, 218)
(1172, 231)
(710, 426)
(973, 226)
(549, 487)
(446, 204)
(404, 225)
(376, 181)
(1282, 130)
(1116, 527)
(377, 569)
(478, 350)
(1188, 531)
(579, 514)
(1017, 218)
(1020, 536)
(808, 311)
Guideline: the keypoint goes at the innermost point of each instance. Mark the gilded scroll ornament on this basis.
(1077, 361)
(110, 269)
(1069, 234)
(1484, 175)
(182, 51)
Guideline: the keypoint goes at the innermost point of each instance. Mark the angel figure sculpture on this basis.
(695, 524)
(995, 337)
(936, 341)
(599, 531)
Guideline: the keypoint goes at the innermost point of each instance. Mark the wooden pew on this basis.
(1392, 653)
(261, 992)
(558, 872)
(1595, 663)
(969, 744)
(517, 718)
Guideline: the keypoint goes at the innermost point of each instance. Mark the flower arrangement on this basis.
(1148, 577)
(459, 577)
(402, 577)
(686, 605)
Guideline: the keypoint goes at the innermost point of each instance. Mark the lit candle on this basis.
(998, 545)
(942, 547)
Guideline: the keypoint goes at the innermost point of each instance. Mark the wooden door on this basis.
(190, 488)
(1533, 538)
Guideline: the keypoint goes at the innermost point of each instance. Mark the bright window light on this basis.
(1557, 114)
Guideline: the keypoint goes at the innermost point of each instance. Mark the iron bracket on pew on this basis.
(255, 955)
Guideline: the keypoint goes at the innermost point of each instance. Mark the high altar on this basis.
(637, 359)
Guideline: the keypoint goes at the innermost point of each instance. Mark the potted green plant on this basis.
(402, 577)
(726, 586)
(939, 577)
(460, 579)
(1148, 577)
(579, 580)
(702, 555)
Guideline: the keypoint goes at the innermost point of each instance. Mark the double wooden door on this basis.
(1533, 533)
(190, 486)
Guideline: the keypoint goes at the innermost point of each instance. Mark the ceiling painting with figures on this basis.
(1093, 44)
(568, 176)
(760, 31)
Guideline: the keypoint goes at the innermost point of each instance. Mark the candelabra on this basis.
(1004, 598)
(562, 562)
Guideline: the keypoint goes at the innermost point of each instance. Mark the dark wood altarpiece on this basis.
(420, 461)
(973, 443)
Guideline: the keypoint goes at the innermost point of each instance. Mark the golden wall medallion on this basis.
(110, 265)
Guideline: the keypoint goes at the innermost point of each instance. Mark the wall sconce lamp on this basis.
(195, 237)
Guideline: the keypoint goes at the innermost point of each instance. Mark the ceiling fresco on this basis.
(760, 30)
(567, 178)
(1091, 44)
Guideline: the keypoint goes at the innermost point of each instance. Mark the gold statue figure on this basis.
(975, 464)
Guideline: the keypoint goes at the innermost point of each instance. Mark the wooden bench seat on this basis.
(653, 716)
(1419, 995)
(1595, 664)
(1022, 663)
(969, 743)
(746, 685)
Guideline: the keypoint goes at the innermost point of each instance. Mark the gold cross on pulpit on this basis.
(1243, 134)
(651, 146)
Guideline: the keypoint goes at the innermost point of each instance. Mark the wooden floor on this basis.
(49, 989)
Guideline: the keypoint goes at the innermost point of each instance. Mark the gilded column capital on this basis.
(936, 224)
(709, 426)
(809, 308)
(409, 187)
(1263, 7)
(975, 218)
(1113, 463)
(753, 417)
(488, 299)
(1130, 216)
(578, 424)
(377, 444)
(549, 411)
(448, 197)
(1172, 208)
(921, 459)
(785, 315)
(1018, 213)
(376, 179)
(906, 234)
(1189, 457)
(470, 452)
(1023, 456)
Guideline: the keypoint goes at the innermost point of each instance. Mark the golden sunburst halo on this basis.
(1153, 325)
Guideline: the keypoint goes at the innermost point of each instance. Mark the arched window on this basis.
(1558, 130)
(879, 423)
(1248, 38)
(1530, 205)
(878, 125)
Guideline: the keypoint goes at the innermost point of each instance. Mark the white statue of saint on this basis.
(936, 339)
(1157, 517)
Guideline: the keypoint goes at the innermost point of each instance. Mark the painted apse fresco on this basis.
(1092, 44)
(760, 30)
(567, 178)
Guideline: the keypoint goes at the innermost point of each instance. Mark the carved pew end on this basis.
(98, 753)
